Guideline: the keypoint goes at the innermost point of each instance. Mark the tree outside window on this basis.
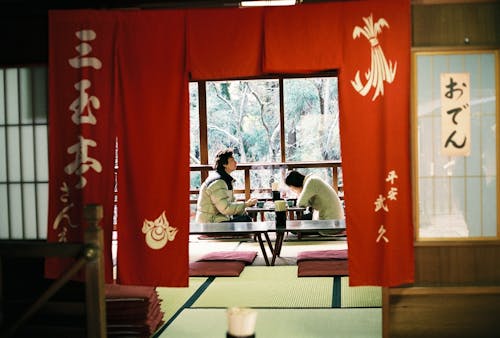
(245, 115)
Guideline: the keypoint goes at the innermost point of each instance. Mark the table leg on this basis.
(277, 246)
(253, 215)
(262, 248)
(269, 243)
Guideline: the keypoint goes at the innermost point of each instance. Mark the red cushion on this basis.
(246, 257)
(216, 268)
(322, 255)
(323, 268)
(132, 309)
(129, 291)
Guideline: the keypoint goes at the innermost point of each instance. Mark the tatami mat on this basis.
(359, 296)
(174, 298)
(282, 323)
(268, 287)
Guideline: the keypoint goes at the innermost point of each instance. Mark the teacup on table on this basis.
(260, 204)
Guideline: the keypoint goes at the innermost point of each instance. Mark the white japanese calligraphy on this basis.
(83, 110)
(83, 162)
(379, 203)
(84, 49)
(84, 102)
(393, 192)
(63, 215)
(381, 232)
(391, 176)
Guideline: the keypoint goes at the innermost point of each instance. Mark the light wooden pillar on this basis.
(94, 274)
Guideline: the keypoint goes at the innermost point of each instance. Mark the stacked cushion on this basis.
(132, 310)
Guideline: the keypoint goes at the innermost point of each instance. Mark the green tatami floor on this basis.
(287, 306)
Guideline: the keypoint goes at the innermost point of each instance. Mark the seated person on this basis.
(315, 193)
(216, 201)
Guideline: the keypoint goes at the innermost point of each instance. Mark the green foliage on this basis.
(245, 115)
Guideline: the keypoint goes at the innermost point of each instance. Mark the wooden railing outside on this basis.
(335, 166)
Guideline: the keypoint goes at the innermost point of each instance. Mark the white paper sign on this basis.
(455, 114)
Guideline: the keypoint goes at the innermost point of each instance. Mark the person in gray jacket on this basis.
(216, 201)
(313, 192)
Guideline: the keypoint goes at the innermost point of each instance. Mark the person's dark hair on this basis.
(295, 179)
(222, 158)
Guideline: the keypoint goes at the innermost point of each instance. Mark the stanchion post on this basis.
(94, 272)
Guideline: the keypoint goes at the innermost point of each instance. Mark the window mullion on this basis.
(282, 121)
(202, 104)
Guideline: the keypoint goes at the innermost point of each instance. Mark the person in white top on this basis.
(314, 192)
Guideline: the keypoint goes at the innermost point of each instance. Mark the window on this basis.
(457, 195)
(271, 120)
(23, 153)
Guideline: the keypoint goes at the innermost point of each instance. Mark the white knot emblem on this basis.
(379, 70)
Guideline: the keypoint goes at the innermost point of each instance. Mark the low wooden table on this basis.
(237, 228)
(263, 228)
(293, 212)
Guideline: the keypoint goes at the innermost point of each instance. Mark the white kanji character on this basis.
(379, 203)
(392, 194)
(391, 176)
(381, 232)
(82, 162)
(84, 49)
(84, 102)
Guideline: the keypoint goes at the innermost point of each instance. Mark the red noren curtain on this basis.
(368, 42)
(153, 150)
(81, 135)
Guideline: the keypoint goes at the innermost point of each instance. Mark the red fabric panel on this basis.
(153, 173)
(375, 139)
(305, 38)
(81, 139)
(224, 43)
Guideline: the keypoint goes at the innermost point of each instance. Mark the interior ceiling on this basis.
(144, 4)
(29, 5)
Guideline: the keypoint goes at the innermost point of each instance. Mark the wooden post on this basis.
(94, 273)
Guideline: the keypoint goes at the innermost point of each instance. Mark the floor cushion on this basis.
(216, 268)
(246, 257)
(322, 255)
(323, 268)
